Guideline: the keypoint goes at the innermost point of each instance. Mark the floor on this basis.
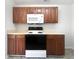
(69, 54)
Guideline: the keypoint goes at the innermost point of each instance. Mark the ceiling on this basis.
(25, 2)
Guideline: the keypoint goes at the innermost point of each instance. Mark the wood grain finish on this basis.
(19, 15)
(16, 45)
(11, 44)
(20, 45)
(51, 45)
(50, 14)
(55, 44)
(60, 45)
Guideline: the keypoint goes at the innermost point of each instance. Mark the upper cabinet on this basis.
(20, 14)
(50, 14)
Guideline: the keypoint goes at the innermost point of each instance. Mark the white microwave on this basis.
(35, 18)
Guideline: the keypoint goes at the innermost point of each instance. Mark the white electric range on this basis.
(35, 43)
(35, 38)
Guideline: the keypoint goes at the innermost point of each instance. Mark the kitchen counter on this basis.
(20, 32)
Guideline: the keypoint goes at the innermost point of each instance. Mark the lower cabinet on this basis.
(11, 44)
(55, 44)
(16, 44)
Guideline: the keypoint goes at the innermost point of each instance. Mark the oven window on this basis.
(35, 42)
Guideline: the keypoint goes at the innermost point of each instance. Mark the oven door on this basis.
(35, 42)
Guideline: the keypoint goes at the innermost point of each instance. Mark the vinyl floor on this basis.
(69, 54)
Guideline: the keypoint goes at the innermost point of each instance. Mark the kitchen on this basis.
(60, 27)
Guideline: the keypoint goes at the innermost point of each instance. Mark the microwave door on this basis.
(35, 18)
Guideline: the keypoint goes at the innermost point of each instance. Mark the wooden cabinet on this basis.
(20, 14)
(35, 10)
(55, 44)
(16, 44)
(50, 14)
(20, 44)
(11, 44)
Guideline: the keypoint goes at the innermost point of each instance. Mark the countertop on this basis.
(20, 32)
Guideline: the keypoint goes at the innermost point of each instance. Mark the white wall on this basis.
(8, 20)
(24, 2)
(65, 24)
(8, 14)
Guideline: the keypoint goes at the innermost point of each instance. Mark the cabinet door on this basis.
(59, 44)
(16, 44)
(32, 10)
(19, 14)
(51, 45)
(35, 10)
(11, 44)
(20, 44)
(55, 44)
(51, 15)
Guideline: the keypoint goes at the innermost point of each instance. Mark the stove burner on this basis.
(30, 32)
(40, 32)
(35, 32)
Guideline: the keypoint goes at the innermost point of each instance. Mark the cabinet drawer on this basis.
(20, 36)
(11, 36)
